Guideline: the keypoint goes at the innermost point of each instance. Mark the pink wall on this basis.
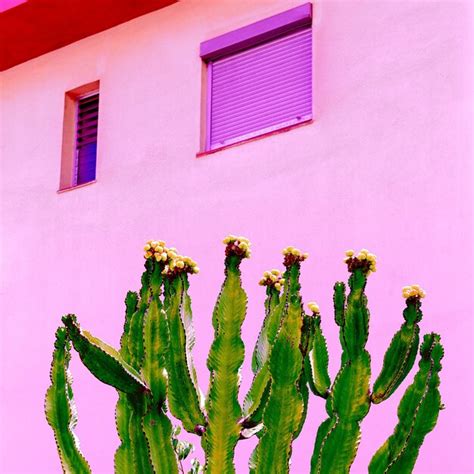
(386, 165)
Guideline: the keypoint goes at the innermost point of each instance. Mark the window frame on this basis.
(247, 37)
(69, 153)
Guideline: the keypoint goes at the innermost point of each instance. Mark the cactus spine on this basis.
(154, 370)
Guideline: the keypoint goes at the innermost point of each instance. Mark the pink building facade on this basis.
(384, 164)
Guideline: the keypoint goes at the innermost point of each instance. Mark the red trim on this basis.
(37, 27)
(258, 137)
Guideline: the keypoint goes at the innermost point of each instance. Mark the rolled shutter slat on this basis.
(261, 87)
(86, 138)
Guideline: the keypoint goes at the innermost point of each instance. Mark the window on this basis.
(79, 154)
(86, 139)
(259, 78)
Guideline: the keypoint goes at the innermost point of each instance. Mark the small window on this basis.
(259, 78)
(79, 154)
(86, 139)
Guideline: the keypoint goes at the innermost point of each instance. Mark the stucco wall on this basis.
(386, 165)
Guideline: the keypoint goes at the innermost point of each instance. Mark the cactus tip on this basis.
(239, 246)
(364, 259)
(313, 307)
(293, 255)
(413, 291)
(272, 278)
(154, 249)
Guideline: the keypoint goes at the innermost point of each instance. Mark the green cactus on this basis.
(60, 409)
(225, 359)
(154, 371)
(349, 398)
(417, 414)
(284, 410)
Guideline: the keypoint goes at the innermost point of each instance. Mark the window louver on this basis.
(261, 89)
(86, 138)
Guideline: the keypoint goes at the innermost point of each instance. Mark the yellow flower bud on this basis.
(349, 253)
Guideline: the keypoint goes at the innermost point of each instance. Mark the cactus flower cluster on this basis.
(293, 255)
(154, 375)
(272, 278)
(237, 245)
(364, 259)
(413, 291)
(174, 263)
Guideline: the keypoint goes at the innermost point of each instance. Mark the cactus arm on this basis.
(269, 329)
(190, 338)
(257, 396)
(339, 300)
(285, 406)
(158, 429)
(135, 339)
(401, 354)
(142, 463)
(317, 361)
(131, 306)
(123, 458)
(306, 342)
(183, 396)
(336, 446)
(338, 437)
(60, 409)
(356, 321)
(102, 360)
(155, 346)
(349, 401)
(225, 359)
(417, 414)
(350, 394)
(304, 391)
(156, 425)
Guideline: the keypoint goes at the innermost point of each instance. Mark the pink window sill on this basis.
(83, 185)
(257, 137)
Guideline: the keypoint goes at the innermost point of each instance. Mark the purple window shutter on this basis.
(261, 89)
(86, 138)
